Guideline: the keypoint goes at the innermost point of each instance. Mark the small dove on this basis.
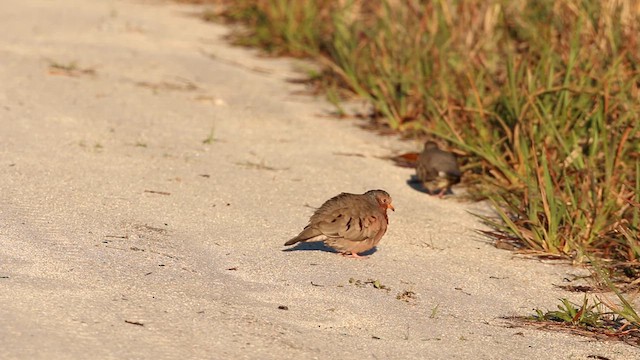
(437, 169)
(349, 223)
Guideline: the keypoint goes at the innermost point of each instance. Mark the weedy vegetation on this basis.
(593, 319)
(376, 284)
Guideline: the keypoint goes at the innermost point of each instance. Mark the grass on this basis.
(587, 319)
(211, 138)
(584, 314)
(603, 318)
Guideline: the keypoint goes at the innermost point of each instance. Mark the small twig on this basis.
(134, 322)
(338, 153)
(117, 236)
(157, 192)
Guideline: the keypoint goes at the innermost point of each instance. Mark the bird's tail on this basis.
(308, 234)
(292, 241)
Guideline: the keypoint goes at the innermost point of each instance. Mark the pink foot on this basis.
(354, 255)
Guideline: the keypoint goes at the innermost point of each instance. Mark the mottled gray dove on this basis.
(437, 169)
(349, 223)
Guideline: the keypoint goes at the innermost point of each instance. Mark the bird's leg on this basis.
(353, 255)
(442, 192)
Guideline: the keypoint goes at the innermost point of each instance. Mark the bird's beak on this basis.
(389, 206)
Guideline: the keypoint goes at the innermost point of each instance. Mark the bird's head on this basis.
(382, 198)
(430, 145)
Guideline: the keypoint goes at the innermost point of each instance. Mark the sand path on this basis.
(125, 236)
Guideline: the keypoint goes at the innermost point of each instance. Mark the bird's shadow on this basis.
(417, 185)
(320, 246)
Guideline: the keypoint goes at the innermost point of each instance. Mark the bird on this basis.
(349, 223)
(437, 169)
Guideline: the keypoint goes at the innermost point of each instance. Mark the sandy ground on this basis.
(125, 236)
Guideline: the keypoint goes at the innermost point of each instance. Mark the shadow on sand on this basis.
(320, 246)
(416, 185)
